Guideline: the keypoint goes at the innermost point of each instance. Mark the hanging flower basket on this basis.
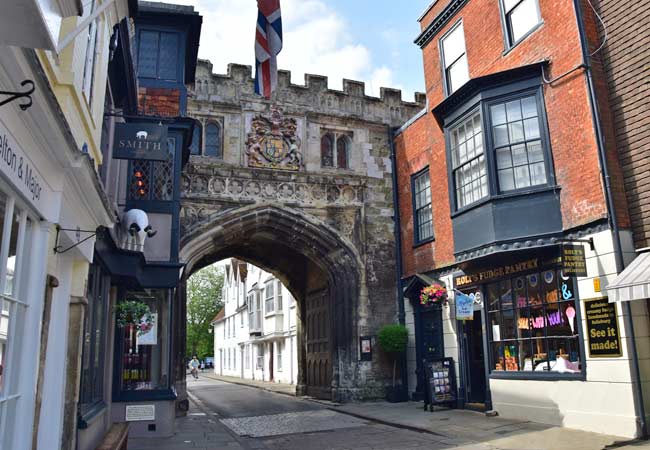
(134, 313)
(435, 294)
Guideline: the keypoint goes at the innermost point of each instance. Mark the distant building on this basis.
(255, 332)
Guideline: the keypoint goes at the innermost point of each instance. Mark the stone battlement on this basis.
(238, 85)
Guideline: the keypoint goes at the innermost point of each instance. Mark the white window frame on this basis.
(278, 295)
(17, 394)
(279, 350)
(269, 298)
(450, 60)
(507, 8)
(88, 81)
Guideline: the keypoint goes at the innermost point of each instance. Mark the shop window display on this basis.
(533, 325)
(145, 349)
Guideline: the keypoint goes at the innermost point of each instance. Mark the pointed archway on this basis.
(320, 267)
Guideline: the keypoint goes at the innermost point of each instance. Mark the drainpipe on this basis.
(611, 212)
(401, 316)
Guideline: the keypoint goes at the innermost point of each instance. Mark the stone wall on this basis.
(356, 203)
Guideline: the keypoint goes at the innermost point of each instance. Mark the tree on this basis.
(204, 301)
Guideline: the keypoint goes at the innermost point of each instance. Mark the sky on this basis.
(364, 40)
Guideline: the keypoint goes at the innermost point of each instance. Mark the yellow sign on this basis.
(596, 284)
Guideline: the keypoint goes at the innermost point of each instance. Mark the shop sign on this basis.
(139, 413)
(140, 141)
(441, 381)
(20, 170)
(149, 336)
(497, 272)
(602, 329)
(464, 306)
(574, 263)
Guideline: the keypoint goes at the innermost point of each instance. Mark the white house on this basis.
(255, 333)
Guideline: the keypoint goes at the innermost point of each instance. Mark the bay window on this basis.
(468, 161)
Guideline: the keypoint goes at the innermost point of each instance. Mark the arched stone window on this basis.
(343, 152)
(195, 148)
(212, 140)
(327, 151)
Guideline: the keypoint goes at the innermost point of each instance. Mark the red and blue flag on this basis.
(268, 43)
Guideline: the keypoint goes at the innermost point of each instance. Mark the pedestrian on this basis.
(194, 366)
(202, 366)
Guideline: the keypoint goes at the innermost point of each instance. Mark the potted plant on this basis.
(434, 294)
(393, 340)
(134, 313)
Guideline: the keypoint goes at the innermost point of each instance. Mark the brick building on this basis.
(513, 158)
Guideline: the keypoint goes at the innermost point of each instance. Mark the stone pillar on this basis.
(301, 380)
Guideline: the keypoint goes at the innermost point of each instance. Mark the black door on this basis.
(432, 339)
(474, 359)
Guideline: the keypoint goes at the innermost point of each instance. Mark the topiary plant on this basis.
(393, 340)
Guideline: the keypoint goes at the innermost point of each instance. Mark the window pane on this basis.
(531, 128)
(195, 149)
(504, 159)
(168, 65)
(458, 74)
(327, 151)
(501, 135)
(513, 110)
(498, 113)
(342, 153)
(148, 54)
(516, 131)
(213, 140)
(522, 177)
(529, 107)
(519, 156)
(453, 45)
(523, 18)
(537, 174)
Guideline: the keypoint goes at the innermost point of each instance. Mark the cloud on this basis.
(317, 40)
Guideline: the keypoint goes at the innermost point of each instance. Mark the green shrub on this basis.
(393, 338)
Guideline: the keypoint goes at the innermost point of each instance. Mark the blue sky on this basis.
(365, 40)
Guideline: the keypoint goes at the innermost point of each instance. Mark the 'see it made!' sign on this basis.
(602, 329)
(146, 141)
(574, 263)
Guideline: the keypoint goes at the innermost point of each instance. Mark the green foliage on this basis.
(203, 303)
(132, 312)
(393, 338)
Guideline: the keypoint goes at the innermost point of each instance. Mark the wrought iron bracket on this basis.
(17, 95)
(57, 249)
(589, 241)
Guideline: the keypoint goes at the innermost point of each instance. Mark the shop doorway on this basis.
(474, 363)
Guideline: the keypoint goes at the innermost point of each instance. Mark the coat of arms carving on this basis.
(272, 142)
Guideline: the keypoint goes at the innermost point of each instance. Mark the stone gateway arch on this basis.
(301, 187)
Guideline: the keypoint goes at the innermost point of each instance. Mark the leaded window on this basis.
(454, 58)
(468, 161)
(212, 140)
(422, 207)
(195, 148)
(517, 143)
(154, 180)
(342, 152)
(158, 55)
(327, 151)
(521, 16)
(533, 325)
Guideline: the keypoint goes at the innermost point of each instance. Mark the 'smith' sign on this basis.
(574, 263)
(140, 141)
(602, 329)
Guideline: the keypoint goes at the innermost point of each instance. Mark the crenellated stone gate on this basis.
(301, 187)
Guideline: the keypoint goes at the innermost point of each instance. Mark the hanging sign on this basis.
(141, 141)
(602, 329)
(464, 306)
(574, 263)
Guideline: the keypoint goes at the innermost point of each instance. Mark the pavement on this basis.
(251, 415)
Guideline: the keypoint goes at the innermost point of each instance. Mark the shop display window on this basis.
(533, 325)
(144, 358)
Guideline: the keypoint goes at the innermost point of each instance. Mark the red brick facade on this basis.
(163, 102)
(573, 139)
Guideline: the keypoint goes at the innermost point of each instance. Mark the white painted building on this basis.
(255, 332)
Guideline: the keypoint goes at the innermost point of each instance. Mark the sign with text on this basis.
(141, 141)
(441, 381)
(139, 413)
(574, 263)
(464, 306)
(602, 329)
(21, 171)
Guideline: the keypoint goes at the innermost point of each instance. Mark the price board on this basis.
(441, 382)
